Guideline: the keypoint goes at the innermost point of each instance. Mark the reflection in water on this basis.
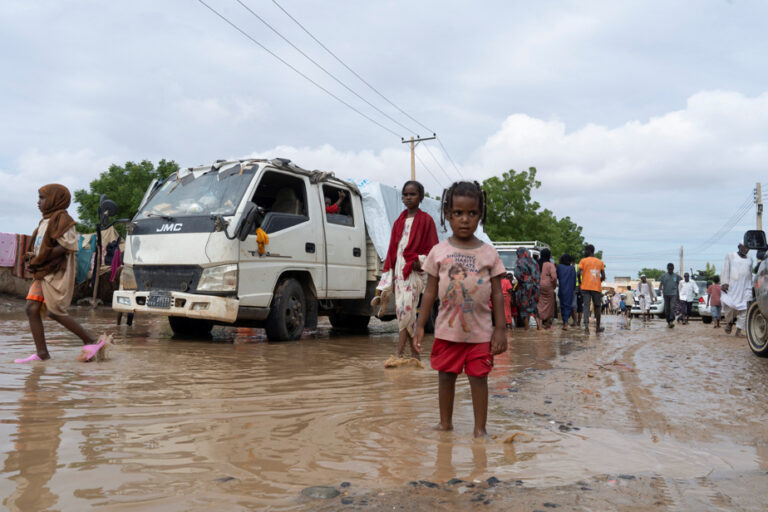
(34, 460)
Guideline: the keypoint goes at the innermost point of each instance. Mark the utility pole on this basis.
(759, 202)
(681, 260)
(413, 142)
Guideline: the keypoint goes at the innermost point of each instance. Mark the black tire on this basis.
(190, 327)
(662, 316)
(287, 313)
(757, 331)
(706, 319)
(345, 322)
(429, 327)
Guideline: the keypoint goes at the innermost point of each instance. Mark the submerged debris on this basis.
(394, 362)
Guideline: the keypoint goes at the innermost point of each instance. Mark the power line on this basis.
(230, 23)
(449, 157)
(350, 69)
(273, 29)
(727, 226)
(427, 169)
(450, 180)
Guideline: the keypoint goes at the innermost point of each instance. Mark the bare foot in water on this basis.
(480, 432)
(442, 427)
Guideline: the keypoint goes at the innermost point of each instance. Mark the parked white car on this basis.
(704, 311)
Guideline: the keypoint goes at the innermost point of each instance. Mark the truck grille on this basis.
(174, 278)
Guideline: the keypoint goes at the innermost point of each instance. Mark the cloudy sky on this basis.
(646, 121)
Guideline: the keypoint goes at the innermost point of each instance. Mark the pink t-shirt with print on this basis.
(464, 290)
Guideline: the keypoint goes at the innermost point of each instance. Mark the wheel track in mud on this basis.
(671, 493)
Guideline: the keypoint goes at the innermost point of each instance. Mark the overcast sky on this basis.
(647, 121)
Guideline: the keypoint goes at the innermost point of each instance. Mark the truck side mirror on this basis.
(251, 219)
(755, 239)
(107, 208)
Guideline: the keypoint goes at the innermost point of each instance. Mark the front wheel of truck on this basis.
(288, 312)
(190, 327)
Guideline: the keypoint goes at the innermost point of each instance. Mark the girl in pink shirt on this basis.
(465, 274)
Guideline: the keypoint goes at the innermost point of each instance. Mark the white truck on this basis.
(193, 252)
(508, 251)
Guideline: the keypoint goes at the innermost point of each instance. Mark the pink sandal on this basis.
(30, 359)
(90, 351)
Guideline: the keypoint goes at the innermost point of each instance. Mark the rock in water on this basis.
(320, 491)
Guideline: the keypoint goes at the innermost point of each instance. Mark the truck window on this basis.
(283, 198)
(338, 206)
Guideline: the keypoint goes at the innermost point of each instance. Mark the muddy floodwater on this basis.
(648, 418)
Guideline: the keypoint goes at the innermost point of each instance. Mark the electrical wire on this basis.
(427, 169)
(273, 29)
(350, 69)
(727, 226)
(233, 25)
(449, 157)
(450, 180)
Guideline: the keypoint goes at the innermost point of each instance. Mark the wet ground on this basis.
(643, 419)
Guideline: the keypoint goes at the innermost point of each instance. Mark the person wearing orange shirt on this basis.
(592, 274)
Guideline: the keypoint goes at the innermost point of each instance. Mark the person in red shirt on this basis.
(335, 207)
(713, 300)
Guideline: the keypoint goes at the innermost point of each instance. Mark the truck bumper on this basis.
(190, 305)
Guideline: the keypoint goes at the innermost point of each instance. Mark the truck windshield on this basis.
(508, 258)
(209, 193)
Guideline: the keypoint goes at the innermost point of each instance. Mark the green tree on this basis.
(651, 273)
(514, 215)
(707, 274)
(124, 185)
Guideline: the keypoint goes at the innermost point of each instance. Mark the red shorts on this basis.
(36, 292)
(451, 357)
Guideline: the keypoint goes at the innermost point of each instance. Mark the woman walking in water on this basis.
(52, 262)
(413, 235)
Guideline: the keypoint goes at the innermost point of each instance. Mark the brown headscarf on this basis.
(57, 199)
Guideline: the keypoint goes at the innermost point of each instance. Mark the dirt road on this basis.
(643, 419)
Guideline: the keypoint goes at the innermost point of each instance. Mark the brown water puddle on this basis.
(236, 423)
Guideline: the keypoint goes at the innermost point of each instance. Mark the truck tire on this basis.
(429, 327)
(757, 331)
(190, 327)
(287, 313)
(348, 322)
(706, 319)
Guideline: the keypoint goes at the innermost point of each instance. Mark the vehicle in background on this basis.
(757, 312)
(699, 304)
(704, 311)
(508, 252)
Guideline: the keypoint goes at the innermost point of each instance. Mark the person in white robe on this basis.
(737, 288)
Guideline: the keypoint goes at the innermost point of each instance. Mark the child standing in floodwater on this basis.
(413, 236)
(464, 273)
(53, 264)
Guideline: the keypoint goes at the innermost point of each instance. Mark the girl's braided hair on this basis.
(464, 189)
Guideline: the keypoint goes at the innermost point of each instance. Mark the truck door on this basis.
(295, 238)
(345, 243)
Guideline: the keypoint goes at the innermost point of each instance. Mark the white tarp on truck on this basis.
(382, 205)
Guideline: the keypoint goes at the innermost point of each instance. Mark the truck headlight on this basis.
(218, 279)
(127, 279)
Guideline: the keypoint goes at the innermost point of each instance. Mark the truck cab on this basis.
(248, 242)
